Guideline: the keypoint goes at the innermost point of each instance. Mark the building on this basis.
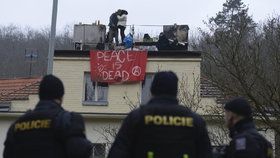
(105, 105)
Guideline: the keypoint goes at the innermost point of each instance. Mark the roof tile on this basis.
(18, 89)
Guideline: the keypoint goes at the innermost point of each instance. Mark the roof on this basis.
(208, 89)
(151, 54)
(18, 89)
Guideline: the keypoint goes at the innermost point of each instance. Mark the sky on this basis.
(37, 13)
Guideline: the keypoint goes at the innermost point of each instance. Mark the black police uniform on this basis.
(247, 142)
(48, 131)
(162, 129)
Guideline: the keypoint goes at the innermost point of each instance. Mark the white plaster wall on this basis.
(5, 124)
(71, 71)
(24, 105)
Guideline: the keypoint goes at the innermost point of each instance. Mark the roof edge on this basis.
(18, 78)
(151, 54)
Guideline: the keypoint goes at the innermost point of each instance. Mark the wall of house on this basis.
(24, 105)
(185, 68)
(5, 123)
(102, 130)
(208, 106)
(71, 70)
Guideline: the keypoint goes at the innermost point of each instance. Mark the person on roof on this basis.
(122, 19)
(113, 27)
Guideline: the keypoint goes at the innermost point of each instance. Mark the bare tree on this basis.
(243, 59)
(14, 41)
(190, 96)
(218, 132)
(108, 134)
(132, 104)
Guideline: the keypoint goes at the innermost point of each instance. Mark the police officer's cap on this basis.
(51, 88)
(239, 106)
(165, 83)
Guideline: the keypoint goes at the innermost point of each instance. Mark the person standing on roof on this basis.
(122, 19)
(113, 27)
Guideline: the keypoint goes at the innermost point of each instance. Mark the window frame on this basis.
(144, 101)
(94, 102)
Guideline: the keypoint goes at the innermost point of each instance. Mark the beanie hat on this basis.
(51, 88)
(165, 83)
(239, 106)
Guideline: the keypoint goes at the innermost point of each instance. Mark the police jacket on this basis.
(247, 142)
(48, 131)
(162, 129)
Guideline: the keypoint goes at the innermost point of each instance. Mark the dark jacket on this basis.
(48, 131)
(113, 21)
(247, 142)
(162, 129)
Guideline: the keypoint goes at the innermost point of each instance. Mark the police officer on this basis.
(162, 128)
(48, 131)
(246, 141)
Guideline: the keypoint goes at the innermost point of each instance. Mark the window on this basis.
(99, 150)
(5, 106)
(95, 91)
(146, 95)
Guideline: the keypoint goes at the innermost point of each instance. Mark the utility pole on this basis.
(52, 38)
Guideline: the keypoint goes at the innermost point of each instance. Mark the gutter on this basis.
(16, 114)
